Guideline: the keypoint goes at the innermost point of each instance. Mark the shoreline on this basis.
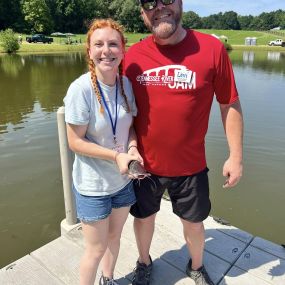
(258, 48)
(56, 48)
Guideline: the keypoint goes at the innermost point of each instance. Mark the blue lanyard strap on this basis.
(113, 123)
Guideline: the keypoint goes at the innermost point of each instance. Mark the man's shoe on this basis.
(106, 281)
(200, 276)
(141, 274)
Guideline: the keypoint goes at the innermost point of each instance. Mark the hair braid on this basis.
(100, 24)
(122, 88)
(95, 86)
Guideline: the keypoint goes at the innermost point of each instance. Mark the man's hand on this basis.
(232, 170)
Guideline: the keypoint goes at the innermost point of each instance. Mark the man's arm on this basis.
(233, 124)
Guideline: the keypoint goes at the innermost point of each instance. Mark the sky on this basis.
(241, 7)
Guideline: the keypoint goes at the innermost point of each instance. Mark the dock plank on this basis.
(169, 245)
(230, 230)
(163, 273)
(237, 276)
(61, 257)
(26, 271)
(263, 265)
(232, 257)
(268, 246)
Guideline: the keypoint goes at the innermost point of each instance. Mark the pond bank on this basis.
(53, 48)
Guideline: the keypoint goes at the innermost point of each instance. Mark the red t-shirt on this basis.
(174, 86)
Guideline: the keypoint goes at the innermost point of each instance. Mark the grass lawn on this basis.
(235, 38)
(53, 47)
(238, 37)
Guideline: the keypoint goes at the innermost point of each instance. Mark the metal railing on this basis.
(66, 169)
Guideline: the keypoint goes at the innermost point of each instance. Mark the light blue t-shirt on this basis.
(94, 176)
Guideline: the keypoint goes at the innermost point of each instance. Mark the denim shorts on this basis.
(95, 208)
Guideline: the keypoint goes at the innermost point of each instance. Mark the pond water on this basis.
(31, 196)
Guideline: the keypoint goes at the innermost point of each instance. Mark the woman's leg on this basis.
(117, 220)
(96, 237)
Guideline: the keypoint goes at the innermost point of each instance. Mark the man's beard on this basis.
(165, 29)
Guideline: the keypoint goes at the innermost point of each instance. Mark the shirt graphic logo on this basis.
(172, 76)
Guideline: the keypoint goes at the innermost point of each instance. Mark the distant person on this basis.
(99, 110)
(20, 39)
(175, 74)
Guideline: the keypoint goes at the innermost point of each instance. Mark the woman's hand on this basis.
(133, 150)
(123, 160)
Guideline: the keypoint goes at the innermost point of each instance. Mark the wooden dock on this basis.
(232, 257)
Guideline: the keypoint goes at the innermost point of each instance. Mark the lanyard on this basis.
(113, 123)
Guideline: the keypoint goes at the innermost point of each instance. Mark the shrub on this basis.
(9, 41)
(227, 46)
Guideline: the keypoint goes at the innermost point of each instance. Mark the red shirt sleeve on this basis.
(224, 81)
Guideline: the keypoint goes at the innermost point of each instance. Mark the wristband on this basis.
(131, 147)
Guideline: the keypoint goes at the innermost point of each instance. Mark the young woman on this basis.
(99, 110)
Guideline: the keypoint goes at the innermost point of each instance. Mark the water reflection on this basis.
(12, 64)
(274, 55)
(260, 60)
(248, 57)
(26, 79)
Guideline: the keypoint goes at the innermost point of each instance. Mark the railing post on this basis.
(66, 168)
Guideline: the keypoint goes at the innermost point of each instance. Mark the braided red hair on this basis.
(100, 24)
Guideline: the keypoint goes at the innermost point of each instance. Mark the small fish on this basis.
(136, 170)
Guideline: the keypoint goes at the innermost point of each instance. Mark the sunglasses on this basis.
(149, 5)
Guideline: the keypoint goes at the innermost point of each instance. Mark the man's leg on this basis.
(190, 201)
(144, 229)
(148, 193)
(194, 235)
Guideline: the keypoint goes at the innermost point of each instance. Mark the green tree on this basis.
(11, 15)
(267, 21)
(70, 15)
(230, 20)
(128, 14)
(9, 41)
(191, 20)
(214, 21)
(280, 19)
(94, 9)
(255, 24)
(37, 15)
(245, 22)
(226, 21)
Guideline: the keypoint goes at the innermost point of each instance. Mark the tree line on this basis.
(47, 16)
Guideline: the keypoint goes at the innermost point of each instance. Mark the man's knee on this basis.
(145, 221)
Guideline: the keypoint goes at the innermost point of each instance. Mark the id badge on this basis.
(182, 75)
(119, 148)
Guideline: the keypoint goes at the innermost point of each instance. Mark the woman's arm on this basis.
(79, 144)
(133, 145)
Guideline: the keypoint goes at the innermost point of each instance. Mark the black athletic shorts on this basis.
(189, 196)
